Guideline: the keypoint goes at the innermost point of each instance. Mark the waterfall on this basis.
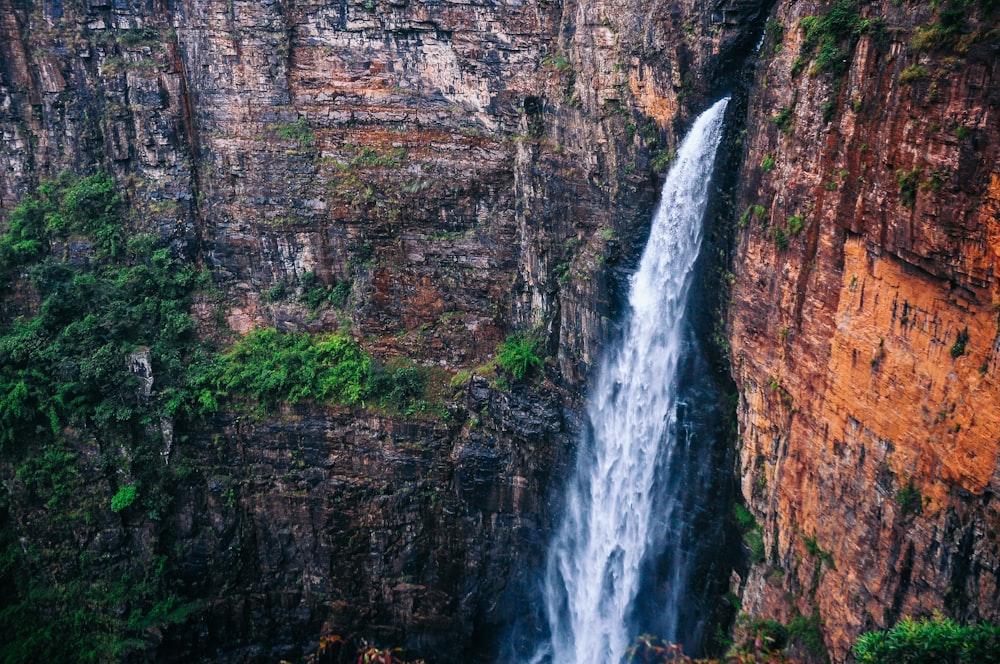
(613, 520)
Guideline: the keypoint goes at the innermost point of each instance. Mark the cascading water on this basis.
(596, 560)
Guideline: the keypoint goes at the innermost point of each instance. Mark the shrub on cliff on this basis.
(519, 355)
(936, 640)
(274, 367)
(99, 319)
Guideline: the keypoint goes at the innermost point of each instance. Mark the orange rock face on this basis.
(864, 323)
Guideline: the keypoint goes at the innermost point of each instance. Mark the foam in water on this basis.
(593, 569)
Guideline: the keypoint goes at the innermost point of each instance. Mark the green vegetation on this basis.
(298, 131)
(123, 498)
(767, 164)
(274, 368)
(67, 366)
(557, 61)
(519, 355)
(783, 120)
(913, 73)
(808, 632)
(661, 159)
(66, 373)
(961, 341)
(136, 36)
(780, 234)
(936, 640)
(908, 182)
(909, 499)
(944, 32)
(822, 555)
(368, 156)
(751, 532)
(315, 293)
(794, 224)
(775, 32)
(829, 38)
(757, 211)
(95, 357)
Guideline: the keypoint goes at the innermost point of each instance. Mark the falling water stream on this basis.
(613, 519)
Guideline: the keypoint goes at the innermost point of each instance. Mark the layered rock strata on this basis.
(864, 317)
(462, 170)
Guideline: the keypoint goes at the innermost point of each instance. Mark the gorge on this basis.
(459, 190)
(628, 483)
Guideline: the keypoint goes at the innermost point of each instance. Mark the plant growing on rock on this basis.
(829, 38)
(910, 499)
(934, 640)
(961, 340)
(519, 355)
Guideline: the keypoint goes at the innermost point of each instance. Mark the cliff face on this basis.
(459, 170)
(864, 317)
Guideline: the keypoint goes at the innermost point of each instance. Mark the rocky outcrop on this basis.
(863, 323)
(354, 524)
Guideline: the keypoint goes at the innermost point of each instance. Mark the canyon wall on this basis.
(459, 171)
(464, 170)
(863, 322)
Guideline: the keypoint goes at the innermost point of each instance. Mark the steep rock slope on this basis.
(457, 170)
(864, 322)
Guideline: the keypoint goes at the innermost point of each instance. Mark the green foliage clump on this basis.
(808, 631)
(755, 544)
(783, 120)
(315, 293)
(68, 366)
(908, 181)
(913, 73)
(941, 33)
(751, 532)
(910, 499)
(961, 341)
(124, 497)
(830, 38)
(399, 389)
(795, 223)
(767, 164)
(822, 555)
(744, 517)
(298, 131)
(368, 156)
(51, 476)
(86, 207)
(780, 237)
(936, 640)
(272, 367)
(136, 36)
(757, 211)
(662, 159)
(519, 355)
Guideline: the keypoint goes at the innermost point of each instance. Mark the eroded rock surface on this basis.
(864, 323)
(459, 170)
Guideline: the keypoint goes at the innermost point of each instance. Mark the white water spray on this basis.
(592, 577)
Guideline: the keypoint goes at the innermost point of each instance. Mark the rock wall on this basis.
(466, 169)
(864, 323)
